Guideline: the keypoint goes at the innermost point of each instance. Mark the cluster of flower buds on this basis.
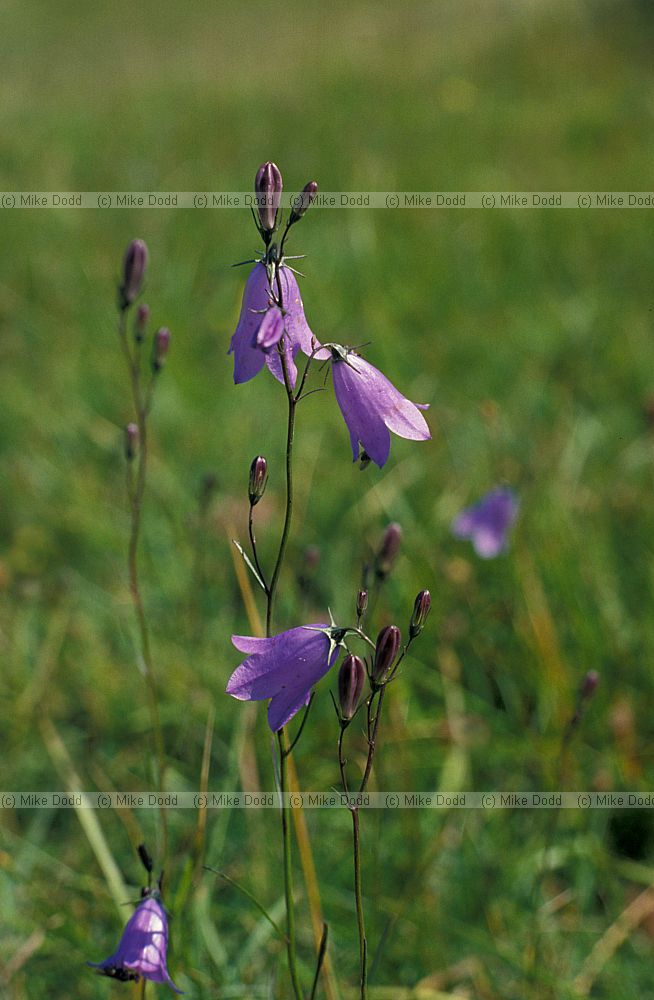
(135, 263)
(258, 480)
(268, 187)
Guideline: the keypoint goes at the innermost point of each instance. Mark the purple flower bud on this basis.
(351, 679)
(131, 442)
(258, 479)
(362, 603)
(388, 550)
(589, 685)
(388, 644)
(134, 265)
(421, 609)
(141, 322)
(303, 201)
(268, 189)
(160, 347)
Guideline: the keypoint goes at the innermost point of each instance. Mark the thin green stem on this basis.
(358, 893)
(373, 726)
(253, 546)
(288, 868)
(136, 490)
(290, 432)
(291, 947)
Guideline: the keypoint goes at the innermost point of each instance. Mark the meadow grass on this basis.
(529, 332)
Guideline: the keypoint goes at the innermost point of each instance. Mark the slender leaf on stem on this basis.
(250, 565)
(253, 899)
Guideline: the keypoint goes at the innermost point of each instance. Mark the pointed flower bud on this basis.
(351, 679)
(268, 190)
(131, 442)
(362, 603)
(141, 322)
(160, 347)
(421, 609)
(388, 550)
(386, 650)
(303, 201)
(146, 860)
(258, 479)
(134, 265)
(589, 685)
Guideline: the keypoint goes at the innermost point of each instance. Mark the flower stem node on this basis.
(351, 680)
(386, 650)
(258, 480)
(421, 608)
(135, 263)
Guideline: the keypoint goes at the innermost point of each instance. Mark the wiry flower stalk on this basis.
(136, 453)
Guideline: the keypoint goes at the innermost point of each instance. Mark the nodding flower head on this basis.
(284, 668)
(269, 314)
(142, 949)
(371, 405)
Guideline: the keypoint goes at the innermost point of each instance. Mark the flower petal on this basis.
(248, 359)
(284, 705)
(363, 421)
(297, 327)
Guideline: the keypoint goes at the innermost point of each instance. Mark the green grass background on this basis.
(529, 332)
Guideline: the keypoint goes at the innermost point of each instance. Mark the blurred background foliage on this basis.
(528, 331)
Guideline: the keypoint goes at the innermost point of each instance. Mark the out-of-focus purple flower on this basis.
(372, 406)
(143, 946)
(259, 330)
(488, 522)
(284, 667)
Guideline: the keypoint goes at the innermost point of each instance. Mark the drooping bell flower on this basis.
(488, 522)
(258, 331)
(372, 406)
(142, 949)
(284, 668)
